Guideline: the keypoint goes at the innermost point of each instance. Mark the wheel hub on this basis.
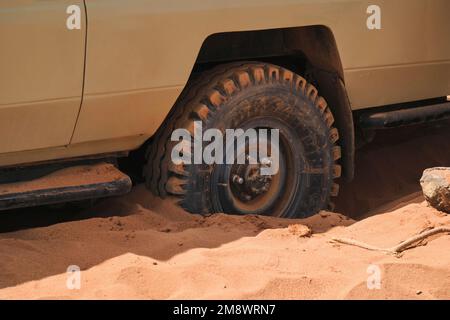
(241, 186)
(249, 183)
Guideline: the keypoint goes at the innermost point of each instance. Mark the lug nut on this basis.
(237, 179)
(266, 162)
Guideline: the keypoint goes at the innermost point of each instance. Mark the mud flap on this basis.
(66, 185)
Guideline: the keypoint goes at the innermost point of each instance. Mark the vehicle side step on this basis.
(65, 185)
(404, 117)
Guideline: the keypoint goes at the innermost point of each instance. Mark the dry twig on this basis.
(396, 250)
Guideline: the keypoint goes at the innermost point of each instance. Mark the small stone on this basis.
(299, 230)
(418, 292)
(323, 214)
(435, 184)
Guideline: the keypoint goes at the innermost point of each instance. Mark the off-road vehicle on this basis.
(91, 92)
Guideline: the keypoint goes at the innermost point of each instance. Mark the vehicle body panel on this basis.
(41, 74)
(140, 54)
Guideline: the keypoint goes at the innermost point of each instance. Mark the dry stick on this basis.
(398, 248)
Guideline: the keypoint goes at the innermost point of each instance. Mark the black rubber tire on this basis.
(226, 97)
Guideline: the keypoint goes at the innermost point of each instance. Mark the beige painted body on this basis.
(140, 53)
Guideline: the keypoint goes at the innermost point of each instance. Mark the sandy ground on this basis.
(139, 246)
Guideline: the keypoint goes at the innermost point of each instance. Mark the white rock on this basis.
(435, 184)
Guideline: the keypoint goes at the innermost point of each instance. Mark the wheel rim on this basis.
(243, 190)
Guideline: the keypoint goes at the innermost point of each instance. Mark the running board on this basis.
(404, 117)
(65, 185)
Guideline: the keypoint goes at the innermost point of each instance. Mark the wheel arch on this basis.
(308, 50)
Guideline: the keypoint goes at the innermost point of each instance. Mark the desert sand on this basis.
(141, 247)
(150, 249)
